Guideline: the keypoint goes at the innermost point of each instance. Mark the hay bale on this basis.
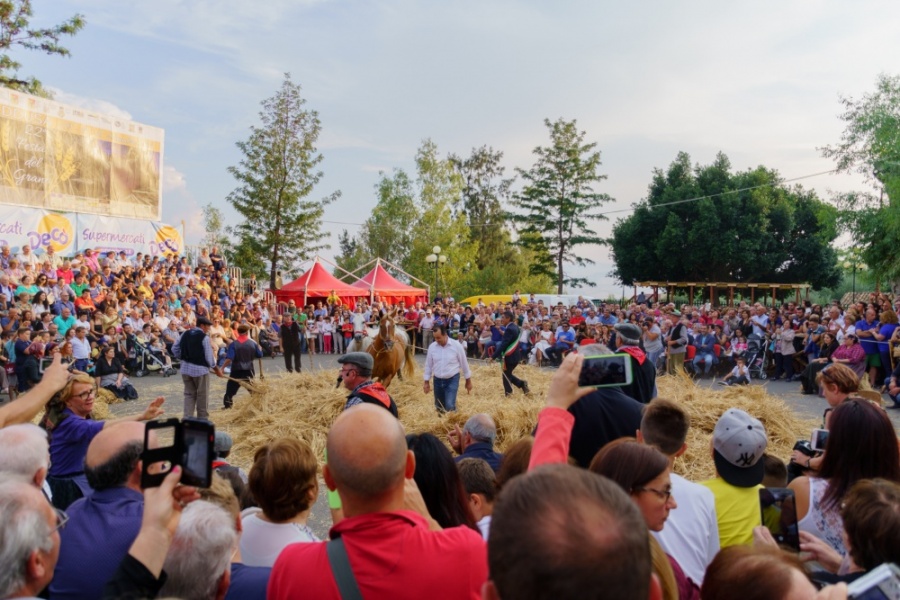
(305, 405)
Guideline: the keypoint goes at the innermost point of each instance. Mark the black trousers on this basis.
(292, 354)
(232, 387)
(509, 380)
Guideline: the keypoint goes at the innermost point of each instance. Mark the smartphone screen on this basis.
(818, 439)
(605, 370)
(199, 442)
(779, 515)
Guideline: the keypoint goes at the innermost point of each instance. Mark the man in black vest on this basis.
(240, 355)
(356, 374)
(197, 360)
(290, 343)
(510, 355)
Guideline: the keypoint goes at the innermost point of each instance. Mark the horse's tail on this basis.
(409, 369)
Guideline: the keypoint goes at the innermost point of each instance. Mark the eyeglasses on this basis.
(61, 519)
(663, 495)
(84, 395)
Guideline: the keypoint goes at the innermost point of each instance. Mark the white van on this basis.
(567, 299)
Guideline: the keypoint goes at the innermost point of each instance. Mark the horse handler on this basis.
(356, 375)
(240, 355)
(445, 361)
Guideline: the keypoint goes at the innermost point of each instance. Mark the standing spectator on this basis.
(676, 347)
(369, 465)
(81, 349)
(480, 483)
(195, 352)
(290, 343)
(446, 360)
(643, 384)
(356, 373)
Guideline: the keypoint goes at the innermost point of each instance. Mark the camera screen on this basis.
(819, 439)
(197, 460)
(779, 515)
(607, 370)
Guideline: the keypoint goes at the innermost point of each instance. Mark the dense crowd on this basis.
(589, 507)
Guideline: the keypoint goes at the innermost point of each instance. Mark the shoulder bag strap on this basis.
(342, 571)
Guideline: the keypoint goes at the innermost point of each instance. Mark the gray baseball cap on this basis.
(739, 442)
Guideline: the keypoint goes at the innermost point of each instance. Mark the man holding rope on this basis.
(240, 355)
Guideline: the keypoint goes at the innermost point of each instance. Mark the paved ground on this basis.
(171, 388)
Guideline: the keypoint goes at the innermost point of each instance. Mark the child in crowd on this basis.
(740, 374)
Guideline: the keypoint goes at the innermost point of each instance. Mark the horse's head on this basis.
(358, 337)
(386, 332)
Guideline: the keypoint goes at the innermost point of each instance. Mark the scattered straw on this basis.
(305, 405)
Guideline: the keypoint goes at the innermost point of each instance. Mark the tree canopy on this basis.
(870, 146)
(707, 223)
(558, 202)
(278, 172)
(16, 32)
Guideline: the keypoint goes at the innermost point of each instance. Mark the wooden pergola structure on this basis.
(713, 286)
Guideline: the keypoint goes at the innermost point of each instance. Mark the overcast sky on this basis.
(759, 81)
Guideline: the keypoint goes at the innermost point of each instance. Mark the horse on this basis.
(361, 341)
(392, 352)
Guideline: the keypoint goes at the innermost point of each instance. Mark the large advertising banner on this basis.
(58, 157)
(68, 233)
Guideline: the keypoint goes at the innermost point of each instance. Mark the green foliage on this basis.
(275, 177)
(870, 145)
(559, 200)
(485, 192)
(745, 227)
(350, 258)
(214, 225)
(15, 32)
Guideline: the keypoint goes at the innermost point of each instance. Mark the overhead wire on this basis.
(652, 206)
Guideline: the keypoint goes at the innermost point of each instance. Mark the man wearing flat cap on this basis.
(197, 360)
(643, 383)
(356, 373)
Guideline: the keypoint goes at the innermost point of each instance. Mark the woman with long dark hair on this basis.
(862, 444)
(439, 481)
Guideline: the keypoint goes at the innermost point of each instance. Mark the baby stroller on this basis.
(147, 360)
(757, 360)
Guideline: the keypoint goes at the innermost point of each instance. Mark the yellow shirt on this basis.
(737, 511)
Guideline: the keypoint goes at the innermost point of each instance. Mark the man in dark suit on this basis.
(510, 355)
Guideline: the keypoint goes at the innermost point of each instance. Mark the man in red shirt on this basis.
(391, 551)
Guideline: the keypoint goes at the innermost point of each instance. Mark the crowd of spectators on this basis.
(587, 507)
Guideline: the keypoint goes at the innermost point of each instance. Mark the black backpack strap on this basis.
(342, 571)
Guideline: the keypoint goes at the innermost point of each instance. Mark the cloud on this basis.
(173, 179)
(91, 104)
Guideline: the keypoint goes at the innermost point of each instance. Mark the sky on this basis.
(758, 81)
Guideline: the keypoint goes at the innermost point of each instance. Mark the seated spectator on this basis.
(590, 537)
(480, 483)
(739, 442)
(283, 483)
(103, 525)
(858, 432)
(565, 341)
(705, 341)
(30, 541)
(110, 375)
(851, 354)
(476, 440)
(438, 481)
(808, 377)
(739, 375)
(369, 465)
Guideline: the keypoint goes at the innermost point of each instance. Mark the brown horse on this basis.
(392, 352)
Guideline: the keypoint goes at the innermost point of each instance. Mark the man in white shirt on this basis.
(445, 361)
(27, 257)
(691, 534)
(426, 325)
(760, 321)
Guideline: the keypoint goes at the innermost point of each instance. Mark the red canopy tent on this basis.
(317, 284)
(381, 285)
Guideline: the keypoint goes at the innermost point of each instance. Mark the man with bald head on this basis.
(391, 551)
(103, 525)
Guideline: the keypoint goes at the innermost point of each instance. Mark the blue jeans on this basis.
(445, 393)
(706, 359)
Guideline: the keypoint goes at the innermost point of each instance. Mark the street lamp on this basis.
(437, 259)
(854, 263)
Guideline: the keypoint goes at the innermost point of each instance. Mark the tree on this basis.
(350, 258)
(870, 145)
(559, 200)
(276, 175)
(485, 191)
(15, 32)
(388, 232)
(214, 225)
(706, 223)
